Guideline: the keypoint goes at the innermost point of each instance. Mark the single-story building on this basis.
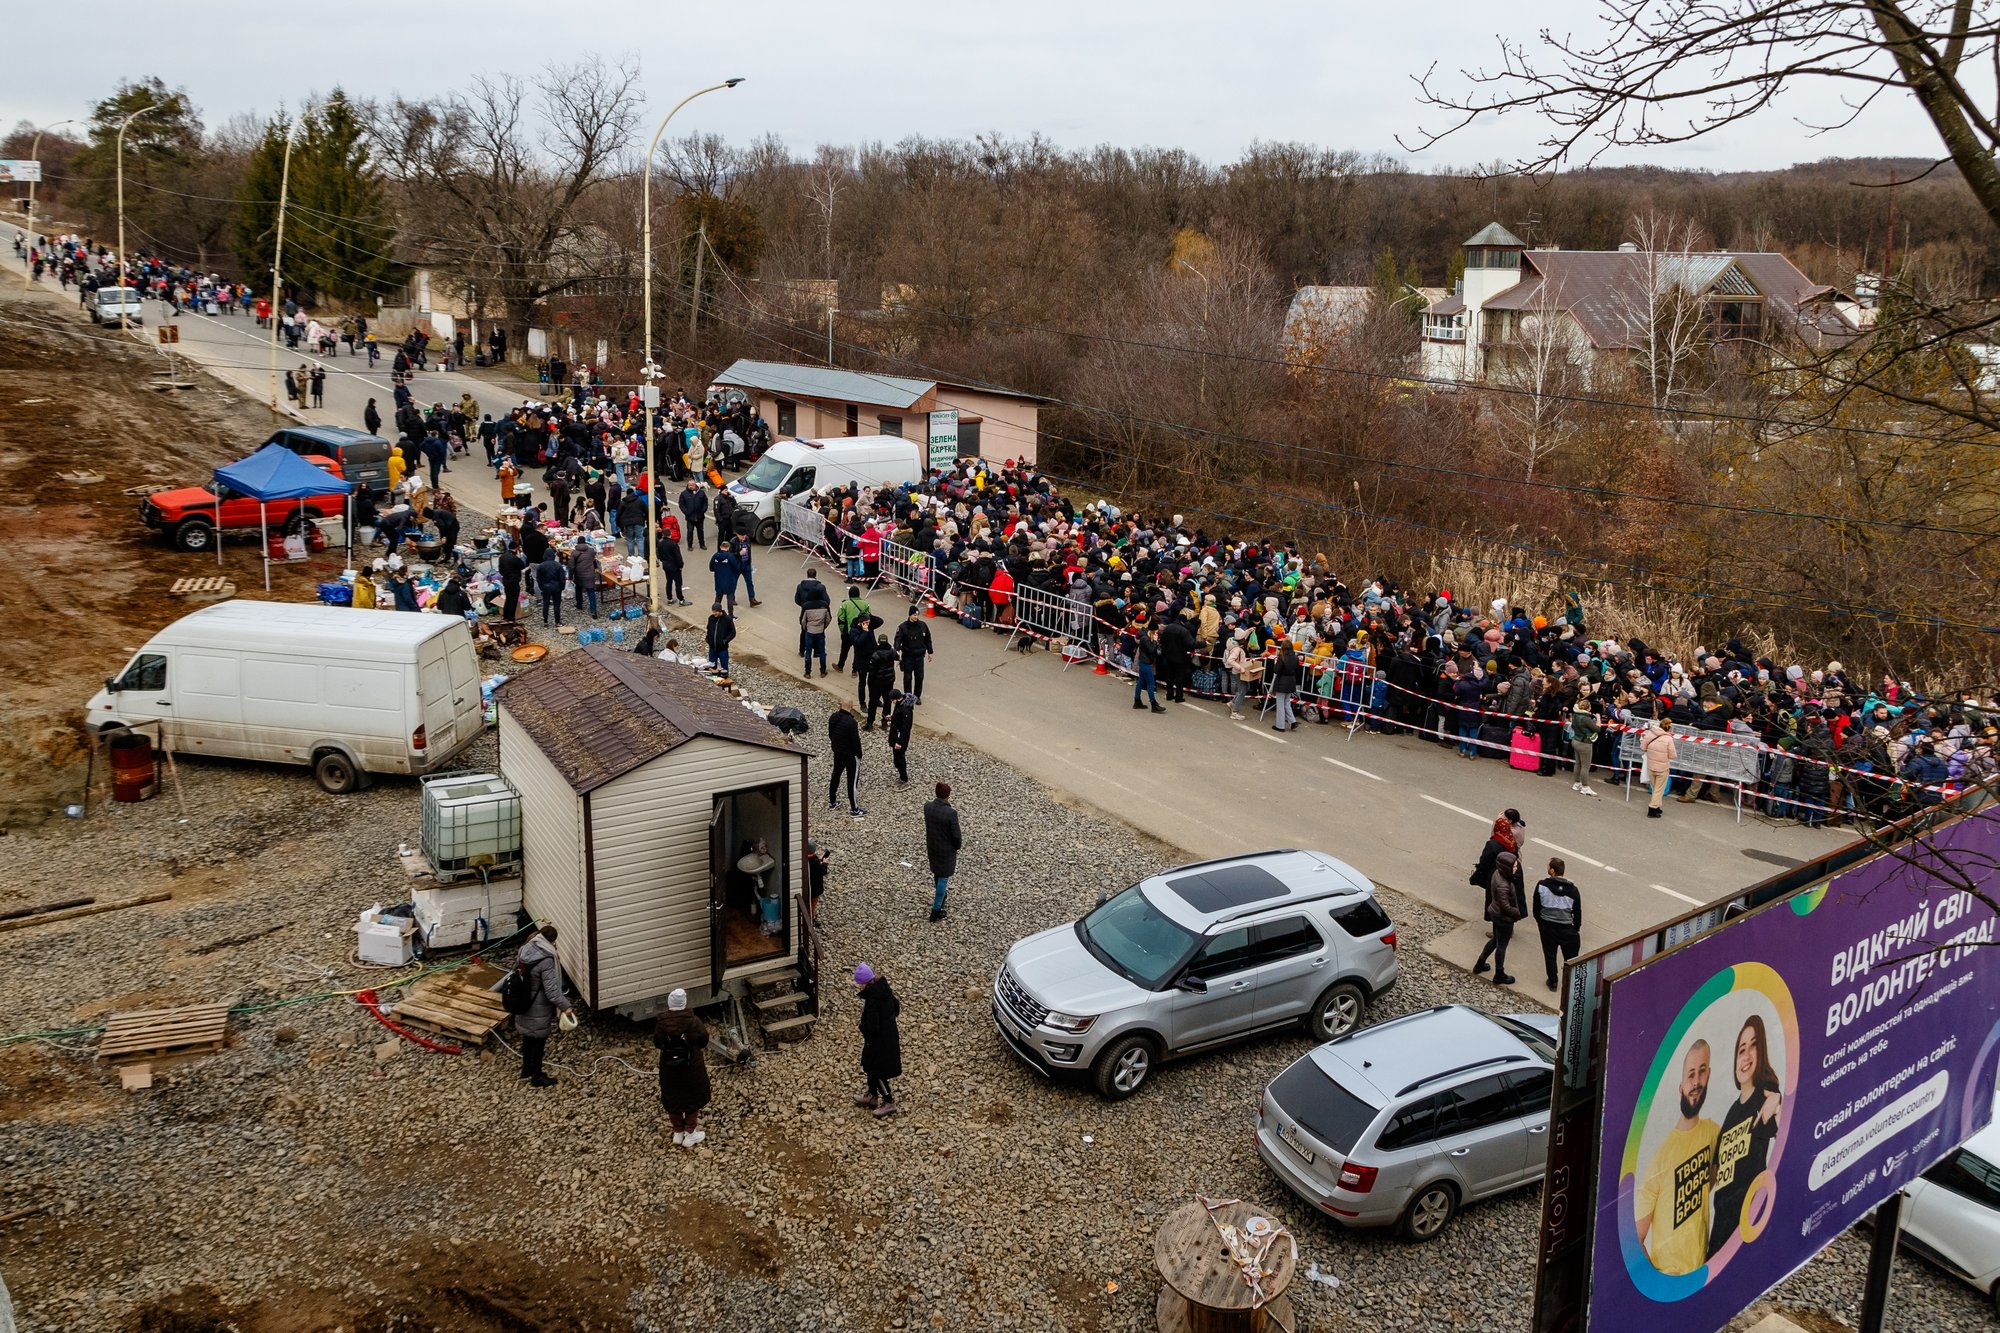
(819, 402)
(663, 829)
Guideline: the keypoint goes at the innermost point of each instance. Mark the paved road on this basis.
(1407, 813)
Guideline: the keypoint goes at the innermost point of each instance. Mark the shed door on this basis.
(718, 888)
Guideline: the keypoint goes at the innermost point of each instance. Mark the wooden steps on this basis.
(797, 1024)
(777, 1003)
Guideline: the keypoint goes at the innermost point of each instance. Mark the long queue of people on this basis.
(1195, 612)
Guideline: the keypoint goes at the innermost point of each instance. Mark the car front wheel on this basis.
(1123, 1068)
(1430, 1212)
(1337, 1012)
(194, 536)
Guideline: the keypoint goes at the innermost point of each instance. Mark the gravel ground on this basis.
(425, 1191)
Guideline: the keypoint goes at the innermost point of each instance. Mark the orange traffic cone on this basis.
(930, 610)
(1100, 669)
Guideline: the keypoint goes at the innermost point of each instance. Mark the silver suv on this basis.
(1194, 957)
(1408, 1121)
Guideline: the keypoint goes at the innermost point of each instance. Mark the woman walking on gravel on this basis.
(681, 1037)
(881, 1044)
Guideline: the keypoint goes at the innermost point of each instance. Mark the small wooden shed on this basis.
(646, 793)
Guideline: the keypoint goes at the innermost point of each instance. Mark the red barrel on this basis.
(135, 773)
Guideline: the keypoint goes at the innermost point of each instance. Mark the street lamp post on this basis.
(278, 256)
(122, 126)
(649, 393)
(35, 156)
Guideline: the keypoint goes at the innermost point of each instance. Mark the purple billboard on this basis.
(1767, 1084)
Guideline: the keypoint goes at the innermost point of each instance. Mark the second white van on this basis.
(793, 467)
(342, 691)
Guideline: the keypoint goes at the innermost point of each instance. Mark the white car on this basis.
(1951, 1214)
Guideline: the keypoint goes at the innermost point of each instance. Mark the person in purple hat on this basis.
(881, 1044)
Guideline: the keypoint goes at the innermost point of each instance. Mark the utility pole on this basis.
(278, 257)
(35, 156)
(649, 394)
(123, 125)
(694, 299)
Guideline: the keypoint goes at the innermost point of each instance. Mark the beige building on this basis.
(819, 402)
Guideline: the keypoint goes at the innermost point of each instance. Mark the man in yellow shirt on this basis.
(1672, 1202)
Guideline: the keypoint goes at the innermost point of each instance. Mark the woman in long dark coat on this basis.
(684, 1088)
(881, 1044)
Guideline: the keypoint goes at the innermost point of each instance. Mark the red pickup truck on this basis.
(188, 515)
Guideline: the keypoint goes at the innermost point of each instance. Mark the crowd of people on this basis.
(1193, 611)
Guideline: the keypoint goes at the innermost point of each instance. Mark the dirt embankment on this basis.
(82, 583)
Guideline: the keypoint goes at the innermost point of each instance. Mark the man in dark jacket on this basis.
(512, 566)
(880, 673)
(550, 578)
(1145, 661)
(673, 573)
(942, 840)
(844, 734)
(632, 522)
(1176, 658)
(694, 513)
(538, 959)
(915, 648)
(881, 1043)
(1558, 912)
(371, 418)
(902, 721)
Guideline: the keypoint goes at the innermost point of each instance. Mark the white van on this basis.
(793, 467)
(348, 692)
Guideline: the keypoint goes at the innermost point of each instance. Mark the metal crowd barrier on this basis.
(907, 568)
(804, 527)
(1740, 764)
(1047, 615)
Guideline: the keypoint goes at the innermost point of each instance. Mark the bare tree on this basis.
(1662, 314)
(500, 173)
(1667, 71)
(1543, 354)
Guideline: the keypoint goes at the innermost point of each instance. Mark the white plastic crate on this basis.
(472, 913)
(468, 817)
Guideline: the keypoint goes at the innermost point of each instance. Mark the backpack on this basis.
(517, 992)
(676, 1052)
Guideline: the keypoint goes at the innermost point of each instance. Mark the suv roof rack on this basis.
(1268, 904)
(1223, 861)
(1407, 1089)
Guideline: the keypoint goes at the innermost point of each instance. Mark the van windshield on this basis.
(766, 475)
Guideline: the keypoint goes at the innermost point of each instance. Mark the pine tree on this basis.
(339, 238)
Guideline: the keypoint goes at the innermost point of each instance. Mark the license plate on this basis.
(1291, 1138)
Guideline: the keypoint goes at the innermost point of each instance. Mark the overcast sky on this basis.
(1207, 77)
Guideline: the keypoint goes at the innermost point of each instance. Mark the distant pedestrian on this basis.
(815, 614)
(942, 839)
(1145, 663)
(727, 569)
(719, 634)
(843, 733)
(673, 573)
(1657, 751)
(584, 575)
(1583, 731)
(816, 867)
(915, 649)
(693, 503)
(1498, 877)
(880, 674)
(1558, 911)
(538, 960)
(745, 566)
(881, 1043)
(550, 576)
(317, 378)
(371, 418)
(853, 612)
(902, 721)
(681, 1037)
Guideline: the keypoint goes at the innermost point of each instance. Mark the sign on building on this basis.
(19, 171)
(944, 437)
(1757, 1085)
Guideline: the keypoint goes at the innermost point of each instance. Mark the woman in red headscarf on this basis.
(1498, 877)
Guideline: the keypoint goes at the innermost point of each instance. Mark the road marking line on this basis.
(1692, 902)
(1449, 806)
(1352, 769)
(1185, 704)
(1245, 726)
(1564, 851)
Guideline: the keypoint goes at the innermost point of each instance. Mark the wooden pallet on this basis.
(152, 1034)
(211, 588)
(151, 488)
(450, 1006)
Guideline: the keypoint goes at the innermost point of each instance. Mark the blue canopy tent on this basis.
(276, 473)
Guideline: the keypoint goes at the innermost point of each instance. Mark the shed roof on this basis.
(825, 383)
(598, 714)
